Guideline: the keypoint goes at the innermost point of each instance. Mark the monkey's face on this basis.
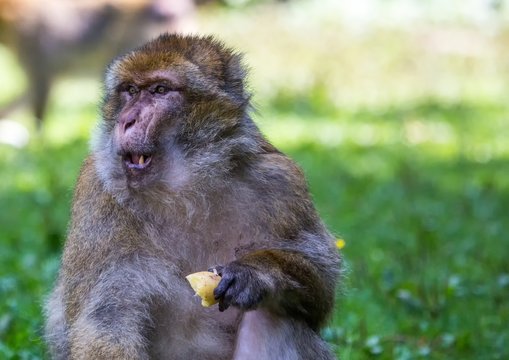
(148, 118)
(171, 114)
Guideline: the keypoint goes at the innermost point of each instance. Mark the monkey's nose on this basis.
(129, 123)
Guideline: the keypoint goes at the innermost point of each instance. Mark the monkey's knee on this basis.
(263, 336)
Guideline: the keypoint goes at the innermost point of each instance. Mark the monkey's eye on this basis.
(161, 89)
(132, 90)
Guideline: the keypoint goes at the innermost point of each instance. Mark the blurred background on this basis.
(397, 110)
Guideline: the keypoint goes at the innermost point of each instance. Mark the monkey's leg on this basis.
(115, 320)
(40, 95)
(264, 336)
(40, 79)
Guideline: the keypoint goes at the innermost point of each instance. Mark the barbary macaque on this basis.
(52, 37)
(181, 180)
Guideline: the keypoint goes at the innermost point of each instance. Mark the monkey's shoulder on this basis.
(95, 212)
(278, 197)
(275, 169)
(88, 173)
(89, 187)
(278, 180)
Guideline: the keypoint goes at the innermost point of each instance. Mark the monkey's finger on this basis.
(223, 305)
(224, 284)
(218, 269)
(236, 295)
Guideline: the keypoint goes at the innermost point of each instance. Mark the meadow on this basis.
(402, 132)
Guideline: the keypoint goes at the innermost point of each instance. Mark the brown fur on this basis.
(215, 193)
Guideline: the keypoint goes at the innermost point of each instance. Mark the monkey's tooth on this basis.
(142, 160)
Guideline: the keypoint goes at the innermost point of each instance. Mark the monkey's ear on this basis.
(235, 74)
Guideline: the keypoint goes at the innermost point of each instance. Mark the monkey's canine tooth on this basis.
(141, 160)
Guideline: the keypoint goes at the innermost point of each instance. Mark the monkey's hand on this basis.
(241, 285)
(286, 283)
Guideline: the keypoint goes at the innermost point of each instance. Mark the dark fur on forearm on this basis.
(292, 289)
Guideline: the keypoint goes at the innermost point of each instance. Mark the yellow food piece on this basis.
(204, 283)
(340, 243)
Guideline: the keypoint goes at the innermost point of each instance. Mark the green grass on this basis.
(413, 175)
(425, 226)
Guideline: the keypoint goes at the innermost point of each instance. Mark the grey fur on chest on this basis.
(197, 246)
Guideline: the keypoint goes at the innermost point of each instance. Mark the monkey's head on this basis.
(174, 114)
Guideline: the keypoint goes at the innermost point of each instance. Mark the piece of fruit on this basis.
(204, 283)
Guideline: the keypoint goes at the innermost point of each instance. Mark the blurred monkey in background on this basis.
(55, 36)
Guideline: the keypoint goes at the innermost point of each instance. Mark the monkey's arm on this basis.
(109, 279)
(294, 274)
(114, 317)
(285, 282)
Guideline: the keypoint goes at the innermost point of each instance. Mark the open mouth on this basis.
(137, 161)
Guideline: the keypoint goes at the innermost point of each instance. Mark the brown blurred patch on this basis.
(56, 36)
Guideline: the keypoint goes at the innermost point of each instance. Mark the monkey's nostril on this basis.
(128, 124)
